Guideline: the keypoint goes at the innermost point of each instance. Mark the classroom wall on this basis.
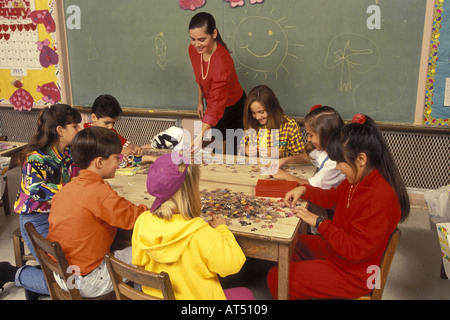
(340, 53)
(399, 25)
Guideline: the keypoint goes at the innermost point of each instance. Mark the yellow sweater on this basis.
(190, 251)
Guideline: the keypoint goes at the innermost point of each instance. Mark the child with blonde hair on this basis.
(172, 237)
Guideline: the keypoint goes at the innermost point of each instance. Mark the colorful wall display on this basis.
(30, 70)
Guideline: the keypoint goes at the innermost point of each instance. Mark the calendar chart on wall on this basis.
(18, 37)
(30, 62)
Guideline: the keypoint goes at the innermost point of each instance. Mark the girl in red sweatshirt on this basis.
(369, 205)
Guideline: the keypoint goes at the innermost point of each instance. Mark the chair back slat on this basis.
(386, 263)
(119, 270)
(53, 261)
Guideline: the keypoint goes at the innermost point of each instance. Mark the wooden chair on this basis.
(385, 265)
(4, 202)
(19, 249)
(52, 259)
(119, 270)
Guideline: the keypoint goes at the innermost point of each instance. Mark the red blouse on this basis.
(221, 87)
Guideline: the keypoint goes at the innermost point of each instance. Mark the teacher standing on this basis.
(218, 83)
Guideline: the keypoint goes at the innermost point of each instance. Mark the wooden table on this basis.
(13, 153)
(274, 244)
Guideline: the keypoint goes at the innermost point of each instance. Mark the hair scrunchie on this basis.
(314, 107)
(359, 118)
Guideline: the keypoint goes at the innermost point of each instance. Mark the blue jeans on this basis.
(30, 277)
(40, 222)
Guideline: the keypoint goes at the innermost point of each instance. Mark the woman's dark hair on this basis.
(366, 137)
(205, 19)
(94, 142)
(323, 121)
(49, 119)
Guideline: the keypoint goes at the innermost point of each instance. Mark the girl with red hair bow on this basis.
(369, 204)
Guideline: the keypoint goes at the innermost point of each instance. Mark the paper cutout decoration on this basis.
(21, 98)
(195, 4)
(50, 92)
(44, 17)
(241, 3)
(47, 56)
(191, 4)
(5, 28)
(5, 36)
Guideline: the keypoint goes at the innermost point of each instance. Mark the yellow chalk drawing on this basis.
(351, 51)
(161, 50)
(261, 44)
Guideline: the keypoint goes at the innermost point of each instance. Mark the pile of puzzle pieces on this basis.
(243, 208)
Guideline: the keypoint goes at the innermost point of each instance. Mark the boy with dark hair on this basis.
(106, 111)
(87, 212)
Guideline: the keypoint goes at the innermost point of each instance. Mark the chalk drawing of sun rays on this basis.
(161, 50)
(260, 44)
(351, 51)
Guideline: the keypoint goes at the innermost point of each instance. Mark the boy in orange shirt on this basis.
(87, 213)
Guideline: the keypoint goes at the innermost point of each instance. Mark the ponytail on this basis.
(205, 19)
(49, 119)
(363, 135)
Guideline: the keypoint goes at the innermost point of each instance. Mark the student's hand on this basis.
(137, 150)
(283, 175)
(126, 151)
(307, 216)
(132, 149)
(265, 152)
(217, 220)
(292, 196)
(274, 166)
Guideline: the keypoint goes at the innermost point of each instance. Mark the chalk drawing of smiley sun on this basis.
(261, 45)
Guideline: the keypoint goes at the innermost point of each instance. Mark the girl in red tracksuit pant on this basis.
(339, 263)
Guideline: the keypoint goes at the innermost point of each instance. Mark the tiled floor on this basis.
(414, 275)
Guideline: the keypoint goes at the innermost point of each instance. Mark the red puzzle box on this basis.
(273, 188)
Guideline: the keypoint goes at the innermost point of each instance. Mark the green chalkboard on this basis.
(330, 52)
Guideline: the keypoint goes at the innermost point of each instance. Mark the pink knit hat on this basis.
(164, 179)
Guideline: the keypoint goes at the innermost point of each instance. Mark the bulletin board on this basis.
(31, 55)
(437, 110)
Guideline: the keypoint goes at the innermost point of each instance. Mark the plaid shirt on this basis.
(287, 140)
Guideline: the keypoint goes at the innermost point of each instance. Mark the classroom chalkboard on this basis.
(354, 55)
